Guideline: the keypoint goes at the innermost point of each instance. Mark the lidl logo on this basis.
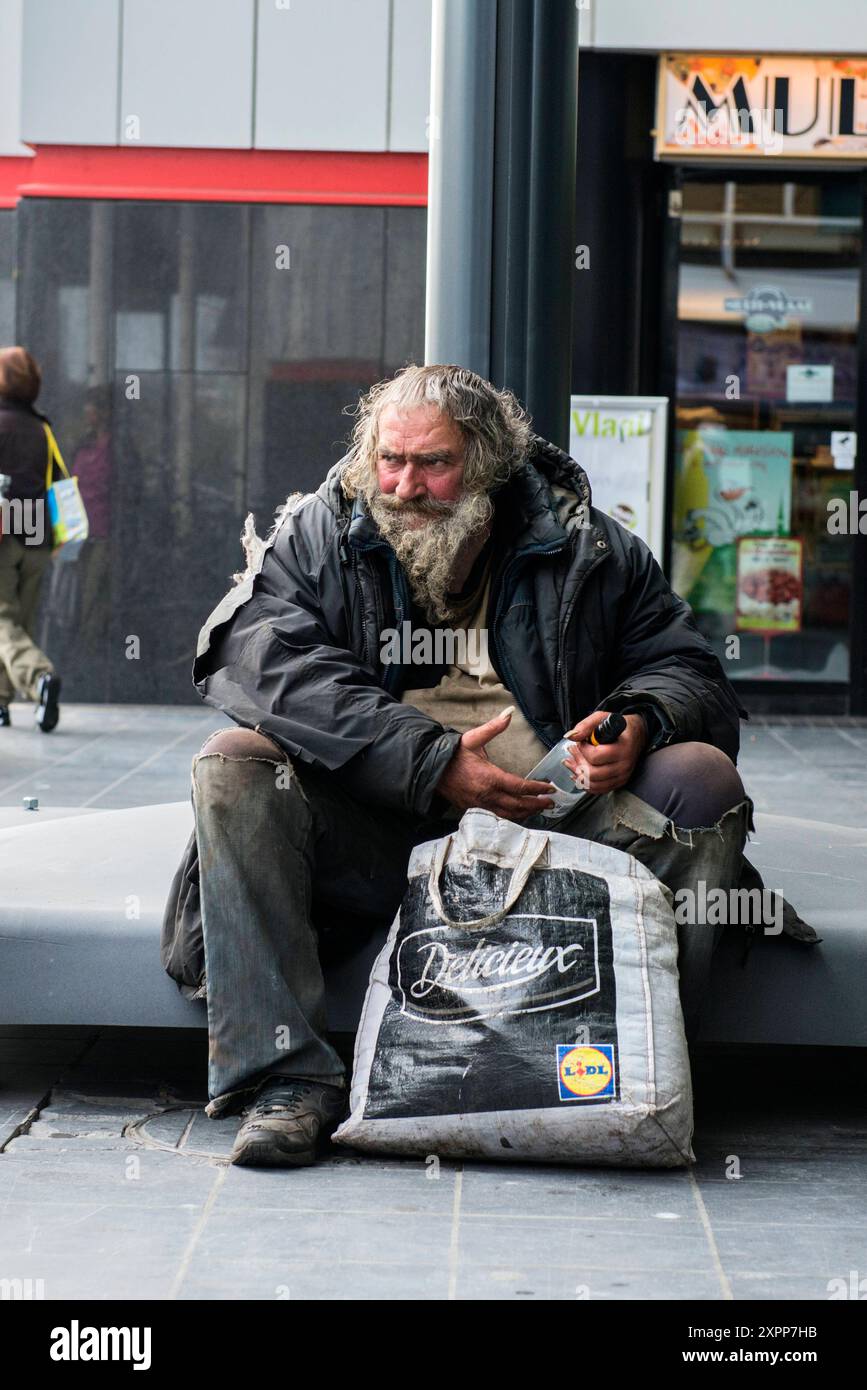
(585, 1073)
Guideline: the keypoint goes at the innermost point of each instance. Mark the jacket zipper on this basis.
(564, 627)
(507, 671)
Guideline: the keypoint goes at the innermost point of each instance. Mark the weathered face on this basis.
(420, 462)
(421, 506)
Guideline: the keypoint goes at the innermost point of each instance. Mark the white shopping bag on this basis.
(525, 1006)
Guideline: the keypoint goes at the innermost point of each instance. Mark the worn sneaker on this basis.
(48, 710)
(288, 1121)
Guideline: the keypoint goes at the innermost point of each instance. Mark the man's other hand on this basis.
(610, 765)
(471, 779)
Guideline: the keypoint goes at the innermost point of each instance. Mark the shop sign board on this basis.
(735, 106)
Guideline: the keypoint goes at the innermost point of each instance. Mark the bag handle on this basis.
(531, 853)
(54, 456)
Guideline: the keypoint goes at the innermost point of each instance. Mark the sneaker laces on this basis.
(277, 1094)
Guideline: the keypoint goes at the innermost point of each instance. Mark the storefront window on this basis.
(767, 342)
(190, 379)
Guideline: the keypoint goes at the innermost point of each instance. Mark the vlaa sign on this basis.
(796, 108)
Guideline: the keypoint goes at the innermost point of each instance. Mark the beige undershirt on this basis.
(471, 693)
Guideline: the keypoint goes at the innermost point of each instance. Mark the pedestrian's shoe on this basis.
(48, 710)
(288, 1121)
(5, 717)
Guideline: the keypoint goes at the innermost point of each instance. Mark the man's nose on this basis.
(411, 483)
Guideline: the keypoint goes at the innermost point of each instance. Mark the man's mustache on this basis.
(417, 506)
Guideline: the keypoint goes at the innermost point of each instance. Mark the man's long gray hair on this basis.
(496, 429)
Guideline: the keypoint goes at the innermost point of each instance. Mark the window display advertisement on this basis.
(770, 585)
(729, 484)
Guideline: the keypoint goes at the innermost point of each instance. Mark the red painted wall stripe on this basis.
(12, 170)
(222, 176)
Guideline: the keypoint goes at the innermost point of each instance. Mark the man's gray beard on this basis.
(428, 553)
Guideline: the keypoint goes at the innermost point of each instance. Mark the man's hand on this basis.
(471, 779)
(611, 765)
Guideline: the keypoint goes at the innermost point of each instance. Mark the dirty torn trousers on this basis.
(282, 845)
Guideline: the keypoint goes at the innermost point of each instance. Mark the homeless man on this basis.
(446, 514)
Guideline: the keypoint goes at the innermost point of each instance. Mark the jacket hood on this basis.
(551, 481)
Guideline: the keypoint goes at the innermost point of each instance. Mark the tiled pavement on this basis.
(103, 756)
(114, 1185)
(120, 1189)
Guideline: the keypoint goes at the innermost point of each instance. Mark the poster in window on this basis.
(728, 484)
(770, 592)
(619, 441)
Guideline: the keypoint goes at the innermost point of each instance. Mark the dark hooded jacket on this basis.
(580, 618)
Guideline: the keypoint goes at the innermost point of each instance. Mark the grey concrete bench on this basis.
(82, 896)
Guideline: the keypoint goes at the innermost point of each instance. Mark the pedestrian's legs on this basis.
(272, 833)
(10, 613)
(685, 815)
(22, 568)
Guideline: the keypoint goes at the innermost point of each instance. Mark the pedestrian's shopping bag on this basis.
(65, 508)
(525, 1006)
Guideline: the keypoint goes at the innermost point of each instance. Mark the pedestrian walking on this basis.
(26, 541)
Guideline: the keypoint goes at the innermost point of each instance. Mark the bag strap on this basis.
(531, 853)
(54, 456)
